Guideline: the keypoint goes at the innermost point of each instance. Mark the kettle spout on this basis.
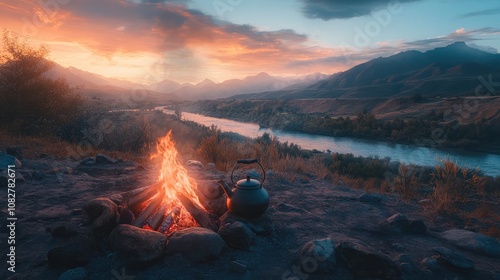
(226, 188)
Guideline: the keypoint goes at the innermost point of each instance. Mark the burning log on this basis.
(155, 221)
(136, 197)
(169, 220)
(149, 211)
(198, 213)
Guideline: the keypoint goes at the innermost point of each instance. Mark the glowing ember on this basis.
(174, 179)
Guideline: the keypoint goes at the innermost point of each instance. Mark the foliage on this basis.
(30, 102)
(405, 183)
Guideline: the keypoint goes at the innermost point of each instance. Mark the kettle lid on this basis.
(248, 183)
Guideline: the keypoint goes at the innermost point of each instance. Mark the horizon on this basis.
(186, 41)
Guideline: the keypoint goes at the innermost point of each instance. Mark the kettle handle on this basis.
(248, 161)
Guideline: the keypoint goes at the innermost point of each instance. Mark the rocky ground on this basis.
(312, 230)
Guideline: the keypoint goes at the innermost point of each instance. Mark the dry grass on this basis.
(405, 183)
(33, 146)
(453, 186)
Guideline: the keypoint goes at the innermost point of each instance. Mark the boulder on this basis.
(102, 213)
(88, 161)
(75, 274)
(70, 255)
(136, 246)
(262, 225)
(454, 259)
(196, 244)
(398, 220)
(472, 241)
(6, 160)
(103, 159)
(364, 262)
(237, 235)
(318, 257)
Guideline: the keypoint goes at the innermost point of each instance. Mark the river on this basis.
(410, 154)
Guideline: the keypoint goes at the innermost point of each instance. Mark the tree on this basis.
(31, 102)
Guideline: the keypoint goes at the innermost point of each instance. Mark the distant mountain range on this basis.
(97, 86)
(449, 71)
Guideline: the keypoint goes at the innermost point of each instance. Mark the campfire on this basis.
(172, 202)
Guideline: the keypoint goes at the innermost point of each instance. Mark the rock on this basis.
(237, 235)
(196, 244)
(136, 246)
(318, 257)
(371, 198)
(126, 216)
(69, 255)
(103, 159)
(15, 151)
(454, 259)
(364, 262)
(472, 241)
(238, 267)
(75, 274)
(254, 174)
(262, 225)
(430, 264)
(194, 164)
(417, 227)
(103, 214)
(117, 198)
(44, 155)
(6, 160)
(88, 161)
(398, 220)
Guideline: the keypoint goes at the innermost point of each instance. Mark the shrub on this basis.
(31, 103)
(453, 186)
(405, 183)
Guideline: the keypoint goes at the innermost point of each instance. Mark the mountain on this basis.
(207, 89)
(99, 87)
(446, 71)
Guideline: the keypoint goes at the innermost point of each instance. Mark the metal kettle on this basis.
(248, 198)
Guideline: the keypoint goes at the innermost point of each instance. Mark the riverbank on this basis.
(435, 123)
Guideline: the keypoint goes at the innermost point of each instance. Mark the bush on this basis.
(453, 186)
(31, 103)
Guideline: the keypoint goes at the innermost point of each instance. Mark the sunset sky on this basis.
(147, 41)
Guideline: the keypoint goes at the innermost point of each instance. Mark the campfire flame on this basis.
(175, 180)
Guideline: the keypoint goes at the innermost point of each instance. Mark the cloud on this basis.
(460, 35)
(344, 9)
(488, 12)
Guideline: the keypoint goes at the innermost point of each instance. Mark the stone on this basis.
(454, 259)
(195, 164)
(238, 267)
(70, 255)
(262, 225)
(88, 161)
(473, 242)
(430, 264)
(126, 216)
(75, 274)
(136, 246)
(254, 174)
(371, 198)
(398, 220)
(6, 160)
(196, 244)
(117, 198)
(103, 214)
(103, 159)
(318, 257)
(15, 151)
(237, 235)
(364, 262)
